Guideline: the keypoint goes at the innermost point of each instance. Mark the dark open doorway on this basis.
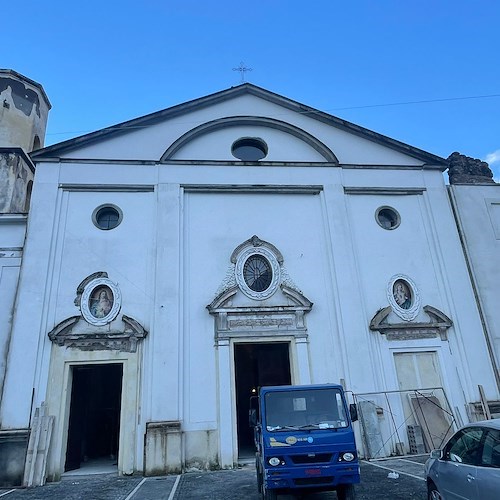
(256, 365)
(94, 418)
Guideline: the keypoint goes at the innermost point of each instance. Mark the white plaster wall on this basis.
(64, 248)
(125, 253)
(27, 345)
(10, 264)
(215, 225)
(478, 211)
(150, 142)
(216, 145)
(426, 248)
(13, 231)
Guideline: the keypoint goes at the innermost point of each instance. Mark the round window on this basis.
(249, 149)
(387, 218)
(107, 217)
(257, 273)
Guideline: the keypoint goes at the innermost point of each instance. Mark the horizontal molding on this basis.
(121, 188)
(250, 188)
(11, 253)
(97, 161)
(373, 166)
(383, 190)
(13, 218)
(239, 163)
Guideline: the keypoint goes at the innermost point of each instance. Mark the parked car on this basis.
(468, 466)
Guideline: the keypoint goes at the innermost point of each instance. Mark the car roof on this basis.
(492, 424)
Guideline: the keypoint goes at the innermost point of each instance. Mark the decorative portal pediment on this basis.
(437, 325)
(74, 332)
(260, 321)
(257, 272)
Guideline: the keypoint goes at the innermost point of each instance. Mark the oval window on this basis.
(257, 273)
(249, 149)
(107, 217)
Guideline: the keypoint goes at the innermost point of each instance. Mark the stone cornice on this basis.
(437, 326)
(123, 339)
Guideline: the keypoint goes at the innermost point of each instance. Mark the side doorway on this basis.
(94, 419)
(418, 373)
(256, 365)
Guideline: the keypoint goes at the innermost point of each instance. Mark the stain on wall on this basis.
(14, 179)
(23, 97)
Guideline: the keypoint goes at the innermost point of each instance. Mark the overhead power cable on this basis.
(365, 106)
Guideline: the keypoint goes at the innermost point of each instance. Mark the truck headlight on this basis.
(347, 457)
(274, 461)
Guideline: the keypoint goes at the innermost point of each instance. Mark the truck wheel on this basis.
(260, 480)
(269, 494)
(346, 492)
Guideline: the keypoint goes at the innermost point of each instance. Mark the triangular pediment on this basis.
(204, 129)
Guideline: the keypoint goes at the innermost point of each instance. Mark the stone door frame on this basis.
(58, 402)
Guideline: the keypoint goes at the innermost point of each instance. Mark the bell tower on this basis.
(24, 109)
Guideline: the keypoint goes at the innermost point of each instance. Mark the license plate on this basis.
(313, 472)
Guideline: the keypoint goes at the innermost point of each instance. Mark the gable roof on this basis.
(246, 88)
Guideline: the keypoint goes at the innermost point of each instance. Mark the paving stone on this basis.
(95, 487)
(237, 484)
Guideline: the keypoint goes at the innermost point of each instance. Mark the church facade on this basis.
(176, 262)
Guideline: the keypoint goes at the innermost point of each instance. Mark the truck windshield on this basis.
(305, 409)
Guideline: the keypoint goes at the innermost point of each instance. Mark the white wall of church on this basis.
(149, 143)
(56, 266)
(438, 269)
(13, 228)
(478, 213)
(171, 253)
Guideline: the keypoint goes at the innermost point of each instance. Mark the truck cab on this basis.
(304, 441)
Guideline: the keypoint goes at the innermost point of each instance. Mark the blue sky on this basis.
(105, 62)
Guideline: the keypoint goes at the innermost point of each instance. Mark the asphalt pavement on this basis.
(389, 479)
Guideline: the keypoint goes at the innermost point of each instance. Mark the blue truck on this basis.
(304, 441)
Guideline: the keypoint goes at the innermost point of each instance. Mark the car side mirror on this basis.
(353, 411)
(252, 418)
(437, 454)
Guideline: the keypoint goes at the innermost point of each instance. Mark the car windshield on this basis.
(305, 409)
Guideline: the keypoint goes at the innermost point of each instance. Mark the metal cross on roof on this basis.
(242, 69)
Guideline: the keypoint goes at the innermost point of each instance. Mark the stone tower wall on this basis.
(24, 109)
